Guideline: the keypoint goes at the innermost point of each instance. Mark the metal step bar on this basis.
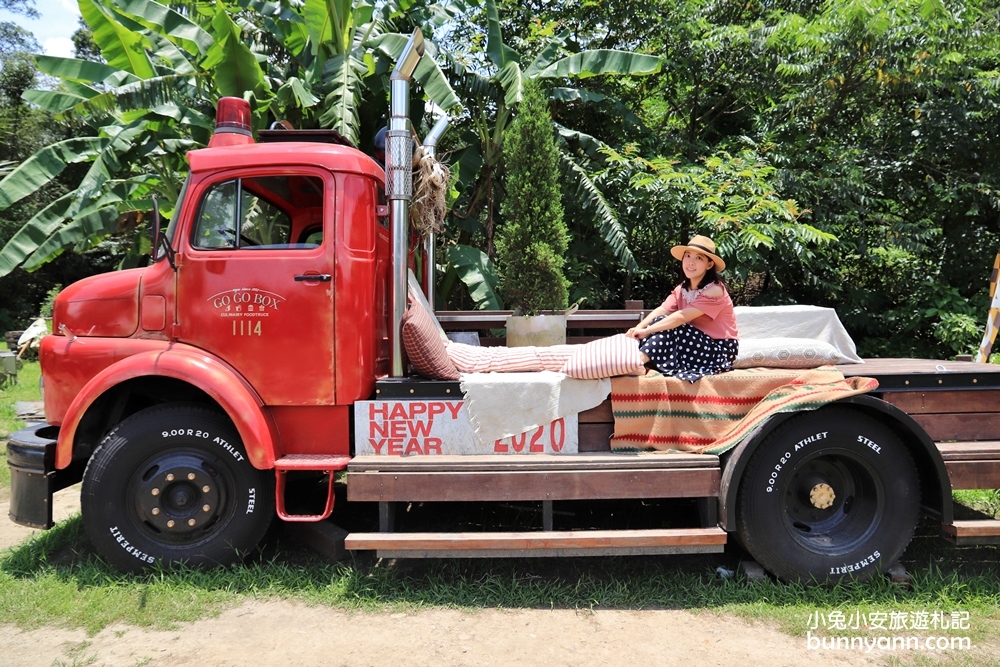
(540, 543)
(307, 463)
(966, 533)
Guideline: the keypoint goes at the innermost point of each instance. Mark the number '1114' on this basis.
(246, 328)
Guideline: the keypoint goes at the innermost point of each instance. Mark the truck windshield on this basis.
(172, 225)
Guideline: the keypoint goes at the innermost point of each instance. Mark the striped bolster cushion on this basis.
(424, 348)
(554, 357)
(604, 358)
(474, 359)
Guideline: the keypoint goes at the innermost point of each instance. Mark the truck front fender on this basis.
(934, 480)
(206, 372)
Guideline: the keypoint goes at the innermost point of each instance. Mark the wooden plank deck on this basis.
(956, 403)
(903, 366)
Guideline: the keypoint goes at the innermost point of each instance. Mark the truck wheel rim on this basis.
(180, 497)
(833, 502)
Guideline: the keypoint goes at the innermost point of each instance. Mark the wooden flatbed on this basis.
(956, 403)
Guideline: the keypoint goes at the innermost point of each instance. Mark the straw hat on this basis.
(705, 246)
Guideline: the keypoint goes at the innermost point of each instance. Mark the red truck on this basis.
(262, 343)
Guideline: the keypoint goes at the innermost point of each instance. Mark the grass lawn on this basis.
(25, 388)
(55, 578)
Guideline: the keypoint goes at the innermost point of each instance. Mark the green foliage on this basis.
(533, 240)
(45, 310)
(883, 127)
(986, 501)
(955, 322)
(489, 99)
(24, 130)
(786, 125)
(84, 47)
(475, 269)
(149, 99)
(733, 199)
(24, 388)
(23, 7)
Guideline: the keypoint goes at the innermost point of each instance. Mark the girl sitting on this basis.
(693, 332)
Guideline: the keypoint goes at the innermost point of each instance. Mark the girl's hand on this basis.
(637, 333)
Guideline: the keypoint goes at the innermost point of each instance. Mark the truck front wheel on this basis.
(173, 484)
(829, 495)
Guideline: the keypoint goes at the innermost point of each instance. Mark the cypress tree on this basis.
(533, 240)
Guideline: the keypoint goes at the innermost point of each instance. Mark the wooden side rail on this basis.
(532, 485)
(532, 477)
(952, 415)
(972, 464)
(531, 462)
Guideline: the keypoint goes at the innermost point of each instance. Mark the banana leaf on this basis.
(476, 270)
(601, 61)
(499, 53)
(74, 69)
(121, 48)
(234, 67)
(45, 165)
(165, 21)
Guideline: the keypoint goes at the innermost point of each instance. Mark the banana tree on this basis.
(139, 136)
(151, 101)
(325, 59)
(491, 99)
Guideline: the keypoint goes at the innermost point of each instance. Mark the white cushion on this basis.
(785, 353)
(810, 322)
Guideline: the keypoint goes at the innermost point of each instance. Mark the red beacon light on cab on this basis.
(232, 123)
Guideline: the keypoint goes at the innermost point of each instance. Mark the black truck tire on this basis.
(173, 484)
(829, 495)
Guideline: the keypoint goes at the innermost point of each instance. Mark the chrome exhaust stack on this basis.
(399, 186)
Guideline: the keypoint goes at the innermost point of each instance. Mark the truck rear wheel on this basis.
(829, 495)
(173, 484)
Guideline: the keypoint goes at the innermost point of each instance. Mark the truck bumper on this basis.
(31, 454)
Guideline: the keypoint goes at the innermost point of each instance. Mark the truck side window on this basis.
(260, 213)
(217, 217)
(263, 224)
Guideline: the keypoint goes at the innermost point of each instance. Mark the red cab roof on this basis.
(327, 156)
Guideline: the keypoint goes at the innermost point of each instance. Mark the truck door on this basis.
(255, 286)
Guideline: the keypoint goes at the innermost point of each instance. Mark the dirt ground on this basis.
(284, 633)
(276, 632)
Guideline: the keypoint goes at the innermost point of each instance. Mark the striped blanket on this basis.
(713, 414)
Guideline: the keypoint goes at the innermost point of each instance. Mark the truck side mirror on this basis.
(159, 240)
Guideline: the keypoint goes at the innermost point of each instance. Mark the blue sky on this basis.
(54, 29)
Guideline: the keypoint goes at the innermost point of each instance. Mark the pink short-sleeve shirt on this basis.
(718, 320)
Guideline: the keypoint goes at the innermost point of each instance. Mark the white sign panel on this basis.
(435, 427)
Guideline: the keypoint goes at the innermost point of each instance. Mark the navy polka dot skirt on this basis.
(688, 353)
